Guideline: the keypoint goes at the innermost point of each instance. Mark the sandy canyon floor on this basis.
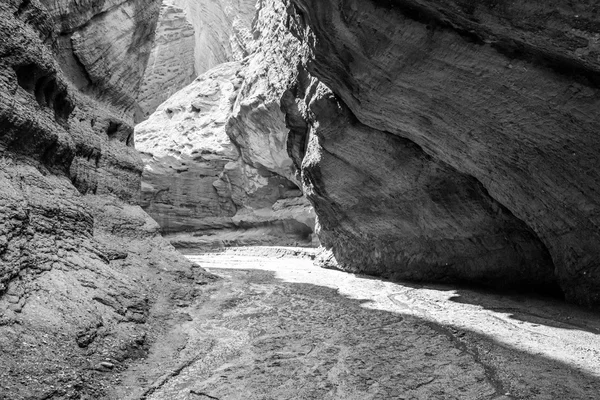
(277, 327)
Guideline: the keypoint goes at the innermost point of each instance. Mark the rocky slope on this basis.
(215, 152)
(477, 124)
(78, 257)
(194, 36)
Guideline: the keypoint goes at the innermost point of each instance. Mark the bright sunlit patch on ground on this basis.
(541, 327)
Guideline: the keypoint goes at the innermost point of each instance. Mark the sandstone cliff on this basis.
(477, 128)
(215, 152)
(171, 63)
(78, 256)
(194, 36)
(222, 29)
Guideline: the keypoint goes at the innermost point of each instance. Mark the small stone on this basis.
(107, 365)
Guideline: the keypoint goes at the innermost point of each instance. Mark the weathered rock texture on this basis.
(194, 36)
(78, 256)
(171, 62)
(223, 29)
(385, 203)
(215, 152)
(485, 111)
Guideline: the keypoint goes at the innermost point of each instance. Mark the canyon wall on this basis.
(216, 167)
(222, 29)
(78, 257)
(472, 124)
(171, 63)
(194, 36)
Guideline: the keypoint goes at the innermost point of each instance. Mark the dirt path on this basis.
(276, 327)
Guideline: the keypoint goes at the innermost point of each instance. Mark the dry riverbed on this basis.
(277, 327)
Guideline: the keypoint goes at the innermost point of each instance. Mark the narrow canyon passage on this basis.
(277, 327)
(432, 141)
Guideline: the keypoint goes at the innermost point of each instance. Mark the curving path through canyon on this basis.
(277, 327)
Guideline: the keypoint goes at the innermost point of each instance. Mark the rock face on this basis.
(171, 62)
(194, 36)
(78, 256)
(196, 179)
(484, 113)
(385, 203)
(223, 29)
(215, 152)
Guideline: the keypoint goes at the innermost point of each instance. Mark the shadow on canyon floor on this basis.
(551, 312)
(309, 333)
(532, 307)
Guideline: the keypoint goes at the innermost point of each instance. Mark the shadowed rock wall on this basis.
(503, 93)
(387, 208)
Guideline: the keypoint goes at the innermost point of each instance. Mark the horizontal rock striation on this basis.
(387, 208)
(193, 36)
(505, 94)
(171, 63)
(196, 178)
(78, 256)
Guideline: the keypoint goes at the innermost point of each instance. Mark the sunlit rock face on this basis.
(192, 37)
(502, 94)
(197, 180)
(74, 244)
(171, 63)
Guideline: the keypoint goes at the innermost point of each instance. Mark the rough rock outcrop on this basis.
(194, 36)
(502, 94)
(78, 256)
(196, 179)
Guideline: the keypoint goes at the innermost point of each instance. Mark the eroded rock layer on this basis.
(196, 179)
(171, 63)
(503, 93)
(78, 256)
(194, 36)
(215, 152)
(387, 208)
